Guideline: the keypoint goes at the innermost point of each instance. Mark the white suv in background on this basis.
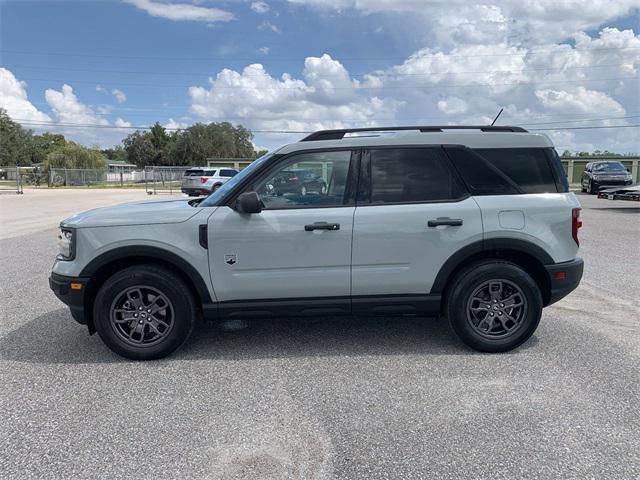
(203, 181)
(476, 224)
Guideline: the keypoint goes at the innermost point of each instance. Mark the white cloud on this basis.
(264, 50)
(121, 123)
(119, 95)
(326, 98)
(175, 124)
(260, 7)
(101, 89)
(182, 11)
(579, 100)
(13, 98)
(269, 26)
(494, 20)
(452, 105)
(67, 108)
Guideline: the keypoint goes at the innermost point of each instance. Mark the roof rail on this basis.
(339, 134)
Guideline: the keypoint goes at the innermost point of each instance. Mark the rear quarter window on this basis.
(529, 168)
(227, 173)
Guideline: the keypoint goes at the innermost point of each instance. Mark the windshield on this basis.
(609, 167)
(213, 199)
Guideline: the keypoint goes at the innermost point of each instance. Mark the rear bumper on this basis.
(564, 278)
(72, 296)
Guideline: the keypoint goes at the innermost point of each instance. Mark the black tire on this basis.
(591, 190)
(462, 317)
(179, 312)
(216, 187)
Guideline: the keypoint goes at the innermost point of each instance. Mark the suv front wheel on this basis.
(493, 306)
(144, 312)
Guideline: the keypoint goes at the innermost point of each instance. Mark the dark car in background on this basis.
(298, 181)
(603, 174)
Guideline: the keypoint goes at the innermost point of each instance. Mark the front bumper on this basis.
(70, 291)
(600, 184)
(564, 278)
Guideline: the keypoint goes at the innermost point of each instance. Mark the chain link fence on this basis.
(166, 179)
(87, 177)
(11, 179)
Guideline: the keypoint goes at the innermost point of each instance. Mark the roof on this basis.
(470, 137)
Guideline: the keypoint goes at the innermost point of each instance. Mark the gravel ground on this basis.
(378, 398)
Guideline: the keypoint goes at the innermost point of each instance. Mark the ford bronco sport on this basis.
(476, 224)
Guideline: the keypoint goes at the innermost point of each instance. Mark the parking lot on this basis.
(324, 398)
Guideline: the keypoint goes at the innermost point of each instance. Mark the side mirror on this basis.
(629, 170)
(249, 202)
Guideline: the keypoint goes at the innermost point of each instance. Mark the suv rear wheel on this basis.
(144, 312)
(493, 306)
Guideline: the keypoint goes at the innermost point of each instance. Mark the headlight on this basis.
(66, 244)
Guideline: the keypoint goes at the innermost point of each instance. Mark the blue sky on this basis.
(94, 69)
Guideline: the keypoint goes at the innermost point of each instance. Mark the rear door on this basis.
(299, 246)
(412, 214)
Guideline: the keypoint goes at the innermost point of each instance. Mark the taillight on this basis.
(576, 223)
(203, 179)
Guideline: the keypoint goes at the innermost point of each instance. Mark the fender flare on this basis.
(481, 246)
(156, 253)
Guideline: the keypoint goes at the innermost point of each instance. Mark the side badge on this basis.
(231, 258)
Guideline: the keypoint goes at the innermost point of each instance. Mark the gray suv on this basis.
(476, 224)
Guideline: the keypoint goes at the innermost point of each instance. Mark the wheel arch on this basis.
(108, 263)
(527, 255)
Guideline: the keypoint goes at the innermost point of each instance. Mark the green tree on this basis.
(146, 148)
(199, 142)
(116, 153)
(43, 144)
(73, 155)
(15, 142)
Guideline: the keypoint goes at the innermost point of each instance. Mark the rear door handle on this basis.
(451, 222)
(321, 226)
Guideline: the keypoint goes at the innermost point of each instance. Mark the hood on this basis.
(137, 213)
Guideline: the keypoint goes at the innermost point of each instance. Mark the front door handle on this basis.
(451, 222)
(321, 226)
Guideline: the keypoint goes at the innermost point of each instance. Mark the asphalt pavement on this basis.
(327, 398)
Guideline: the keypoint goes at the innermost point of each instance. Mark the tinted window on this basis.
(405, 175)
(209, 173)
(194, 172)
(528, 168)
(480, 176)
(306, 180)
(227, 173)
(609, 167)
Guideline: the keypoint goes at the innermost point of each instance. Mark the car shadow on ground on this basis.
(55, 338)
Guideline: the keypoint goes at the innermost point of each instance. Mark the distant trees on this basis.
(595, 153)
(15, 142)
(191, 146)
(73, 155)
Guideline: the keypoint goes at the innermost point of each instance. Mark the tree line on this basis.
(193, 145)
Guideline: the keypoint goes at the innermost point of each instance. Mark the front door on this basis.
(299, 246)
(412, 214)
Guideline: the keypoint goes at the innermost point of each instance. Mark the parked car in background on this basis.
(603, 174)
(297, 182)
(203, 181)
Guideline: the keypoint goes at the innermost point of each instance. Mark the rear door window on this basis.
(529, 168)
(412, 175)
(194, 172)
(225, 172)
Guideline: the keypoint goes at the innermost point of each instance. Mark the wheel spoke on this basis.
(495, 290)
(142, 315)
(496, 308)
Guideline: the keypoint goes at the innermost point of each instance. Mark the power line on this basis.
(376, 73)
(145, 127)
(352, 87)
(338, 57)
